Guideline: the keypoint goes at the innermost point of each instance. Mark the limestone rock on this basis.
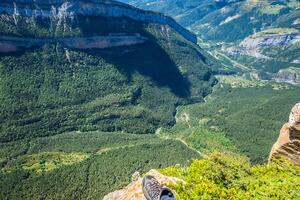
(134, 190)
(288, 143)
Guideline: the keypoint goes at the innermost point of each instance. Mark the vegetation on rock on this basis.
(230, 176)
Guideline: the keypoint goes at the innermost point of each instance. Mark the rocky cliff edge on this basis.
(288, 143)
(134, 190)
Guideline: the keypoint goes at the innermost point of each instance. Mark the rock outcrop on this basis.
(255, 44)
(290, 75)
(134, 190)
(288, 143)
(63, 9)
(270, 40)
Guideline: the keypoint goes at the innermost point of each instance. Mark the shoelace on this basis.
(154, 190)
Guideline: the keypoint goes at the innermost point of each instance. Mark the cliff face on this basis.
(288, 143)
(62, 10)
(290, 75)
(272, 40)
(258, 44)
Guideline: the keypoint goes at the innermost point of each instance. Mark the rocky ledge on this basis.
(134, 190)
(13, 44)
(288, 143)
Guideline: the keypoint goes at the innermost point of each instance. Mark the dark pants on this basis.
(167, 198)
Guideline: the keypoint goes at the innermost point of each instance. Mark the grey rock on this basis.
(272, 40)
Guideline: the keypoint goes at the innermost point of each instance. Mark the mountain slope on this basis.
(227, 25)
(215, 19)
(94, 66)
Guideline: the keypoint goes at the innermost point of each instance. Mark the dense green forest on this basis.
(250, 117)
(50, 90)
(82, 165)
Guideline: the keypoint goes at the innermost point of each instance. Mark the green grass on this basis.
(45, 162)
(237, 81)
(202, 139)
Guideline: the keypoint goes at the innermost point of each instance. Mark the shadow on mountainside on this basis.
(150, 60)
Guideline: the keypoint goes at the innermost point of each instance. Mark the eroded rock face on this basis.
(272, 40)
(254, 45)
(290, 75)
(288, 143)
(134, 190)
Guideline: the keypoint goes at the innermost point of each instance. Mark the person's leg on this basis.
(167, 198)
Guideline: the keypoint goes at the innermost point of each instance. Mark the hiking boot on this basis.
(154, 191)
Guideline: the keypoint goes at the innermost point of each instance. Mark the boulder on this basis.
(288, 143)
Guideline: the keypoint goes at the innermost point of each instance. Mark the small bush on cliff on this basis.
(222, 176)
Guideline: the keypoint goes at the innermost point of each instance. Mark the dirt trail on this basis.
(184, 143)
(104, 150)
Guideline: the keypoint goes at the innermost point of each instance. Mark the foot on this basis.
(153, 190)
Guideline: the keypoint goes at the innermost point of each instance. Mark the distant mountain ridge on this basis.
(225, 27)
(185, 12)
(105, 8)
(209, 18)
